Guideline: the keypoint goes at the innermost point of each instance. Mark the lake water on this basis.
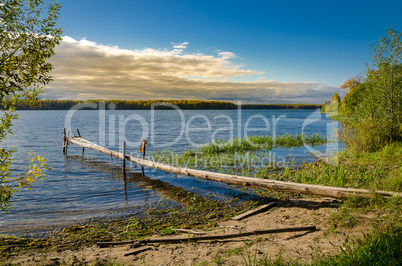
(81, 187)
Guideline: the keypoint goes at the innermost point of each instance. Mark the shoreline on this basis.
(331, 235)
(338, 221)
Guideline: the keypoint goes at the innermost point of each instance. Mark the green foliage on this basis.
(36, 166)
(382, 103)
(336, 98)
(375, 105)
(331, 108)
(28, 36)
(352, 100)
(363, 136)
(372, 170)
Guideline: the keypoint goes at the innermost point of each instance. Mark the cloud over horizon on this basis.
(87, 70)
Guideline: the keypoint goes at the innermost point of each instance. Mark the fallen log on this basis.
(221, 237)
(167, 240)
(317, 190)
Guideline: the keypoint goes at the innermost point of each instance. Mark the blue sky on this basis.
(253, 51)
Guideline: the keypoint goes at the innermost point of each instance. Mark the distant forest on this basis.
(162, 104)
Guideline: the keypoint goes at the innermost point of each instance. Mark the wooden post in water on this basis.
(124, 169)
(79, 135)
(64, 142)
(124, 157)
(143, 148)
(68, 137)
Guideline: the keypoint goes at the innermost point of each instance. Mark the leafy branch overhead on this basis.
(28, 37)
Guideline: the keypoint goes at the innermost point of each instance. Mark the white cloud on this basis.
(182, 45)
(227, 55)
(87, 70)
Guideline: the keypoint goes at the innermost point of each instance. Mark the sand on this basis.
(299, 246)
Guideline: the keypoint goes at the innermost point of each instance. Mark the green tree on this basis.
(28, 36)
(382, 102)
(352, 99)
(336, 98)
(352, 83)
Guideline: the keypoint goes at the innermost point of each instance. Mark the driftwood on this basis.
(220, 237)
(189, 231)
(254, 211)
(138, 250)
(205, 238)
(115, 243)
(318, 190)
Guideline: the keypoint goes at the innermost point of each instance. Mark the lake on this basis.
(81, 187)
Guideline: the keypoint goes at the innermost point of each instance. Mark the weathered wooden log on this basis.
(167, 240)
(189, 231)
(254, 211)
(138, 250)
(308, 189)
(116, 243)
(221, 237)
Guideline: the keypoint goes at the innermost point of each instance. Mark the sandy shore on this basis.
(300, 246)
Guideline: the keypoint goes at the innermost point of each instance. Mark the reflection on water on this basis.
(89, 186)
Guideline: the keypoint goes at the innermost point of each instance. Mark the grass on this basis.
(348, 172)
(249, 156)
(265, 142)
(379, 170)
(378, 248)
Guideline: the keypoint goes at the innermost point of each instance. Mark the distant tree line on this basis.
(161, 105)
(282, 106)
